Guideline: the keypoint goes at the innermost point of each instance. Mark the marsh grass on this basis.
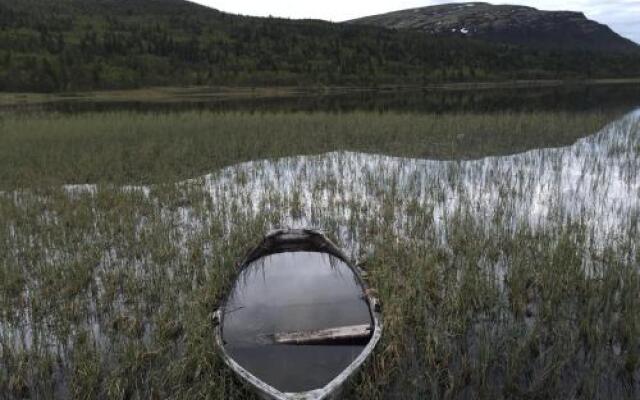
(108, 291)
(128, 148)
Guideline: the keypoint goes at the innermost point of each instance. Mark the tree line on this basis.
(69, 45)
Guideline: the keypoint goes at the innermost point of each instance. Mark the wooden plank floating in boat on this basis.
(344, 333)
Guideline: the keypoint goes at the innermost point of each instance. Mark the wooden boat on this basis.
(299, 320)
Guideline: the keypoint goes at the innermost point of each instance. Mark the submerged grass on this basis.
(108, 292)
(551, 332)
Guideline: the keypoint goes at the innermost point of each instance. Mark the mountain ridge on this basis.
(510, 24)
(80, 45)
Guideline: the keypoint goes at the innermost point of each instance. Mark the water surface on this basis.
(568, 97)
(594, 182)
(293, 292)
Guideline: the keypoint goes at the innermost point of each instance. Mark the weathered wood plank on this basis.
(324, 335)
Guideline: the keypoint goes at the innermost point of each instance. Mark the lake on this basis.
(492, 98)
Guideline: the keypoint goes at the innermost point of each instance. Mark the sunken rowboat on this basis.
(299, 320)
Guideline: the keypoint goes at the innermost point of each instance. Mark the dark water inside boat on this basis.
(293, 292)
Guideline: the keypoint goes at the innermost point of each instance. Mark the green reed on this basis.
(127, 147)
(109, 292)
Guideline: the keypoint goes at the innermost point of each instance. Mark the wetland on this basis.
(500, 229)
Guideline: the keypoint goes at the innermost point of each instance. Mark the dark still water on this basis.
(570, 97)
(293, 292)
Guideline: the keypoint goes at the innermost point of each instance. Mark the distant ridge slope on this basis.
(519, 25)
(78, 45)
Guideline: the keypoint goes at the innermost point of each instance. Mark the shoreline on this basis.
(218, 93)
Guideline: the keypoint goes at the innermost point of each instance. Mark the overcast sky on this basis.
(623, 16)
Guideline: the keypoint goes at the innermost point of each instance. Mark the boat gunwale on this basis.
(266, 247)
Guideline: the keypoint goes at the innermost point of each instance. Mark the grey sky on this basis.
(623, 16)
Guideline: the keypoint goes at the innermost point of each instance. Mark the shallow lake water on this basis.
(595, 182)
(567, 97)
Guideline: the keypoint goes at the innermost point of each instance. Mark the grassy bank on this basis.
(126, 148)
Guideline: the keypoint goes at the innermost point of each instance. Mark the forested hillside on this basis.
(67, 45)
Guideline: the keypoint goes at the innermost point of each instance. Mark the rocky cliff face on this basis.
(519, 25)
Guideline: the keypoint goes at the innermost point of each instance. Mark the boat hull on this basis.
(286, 241)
